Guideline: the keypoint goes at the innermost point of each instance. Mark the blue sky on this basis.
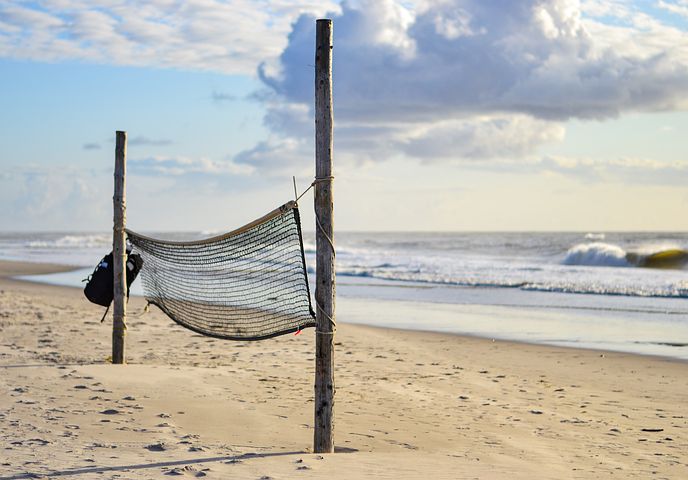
(450, 114)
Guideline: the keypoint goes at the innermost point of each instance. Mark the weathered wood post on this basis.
(324, 238)
(119, 250)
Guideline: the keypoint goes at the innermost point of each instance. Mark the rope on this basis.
(329, 240)
(145, 310)
(317, 180)
(317, 220)
(334, 324)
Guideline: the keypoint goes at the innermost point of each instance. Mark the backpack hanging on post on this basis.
(100, 284)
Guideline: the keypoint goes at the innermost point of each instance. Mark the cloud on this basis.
(141, 140)
(162, 193)
(626, 170)
(229, 37)
(481, 138)
(54, 197)
(435, 80)
(532, 57)
(678, 8)
(176, 166)
(279, 157)
(623, 170)
(219, 97)
(473, 79)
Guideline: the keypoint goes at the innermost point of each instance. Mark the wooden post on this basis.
(119, 250)
(324, 238)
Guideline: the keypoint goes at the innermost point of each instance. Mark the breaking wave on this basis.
(597, 254)
(607, 255)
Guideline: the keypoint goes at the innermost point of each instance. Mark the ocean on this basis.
(610, 291)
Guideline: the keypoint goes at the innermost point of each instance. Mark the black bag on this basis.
(99, 288)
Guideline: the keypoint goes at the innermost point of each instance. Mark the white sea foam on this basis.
(564, 271)
(73, 241)
(309, 248)
(556, 262)
(596, 254)
(595, 236)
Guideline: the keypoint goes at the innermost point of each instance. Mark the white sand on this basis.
(408, 404)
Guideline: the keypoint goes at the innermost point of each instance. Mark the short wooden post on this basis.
(119, 250)
(324, 237)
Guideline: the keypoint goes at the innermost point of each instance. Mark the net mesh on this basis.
(248, 284)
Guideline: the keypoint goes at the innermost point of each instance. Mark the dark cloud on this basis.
(280, 157)
(219, 97)
(472, 79)
(140, 141)
(91, 146)
(531, 57)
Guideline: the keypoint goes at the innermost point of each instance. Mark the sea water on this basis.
(588, 289)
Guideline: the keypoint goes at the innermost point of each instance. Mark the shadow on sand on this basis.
(141, 466)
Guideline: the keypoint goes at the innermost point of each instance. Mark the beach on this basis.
(434, 239)
(408, 404)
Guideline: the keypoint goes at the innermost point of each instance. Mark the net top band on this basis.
(275, 213)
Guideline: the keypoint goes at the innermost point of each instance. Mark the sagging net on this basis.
(248, 284)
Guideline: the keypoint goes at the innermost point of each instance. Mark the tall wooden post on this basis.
(119, 250)
(324, 238)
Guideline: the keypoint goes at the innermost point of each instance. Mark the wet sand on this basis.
(408, 404)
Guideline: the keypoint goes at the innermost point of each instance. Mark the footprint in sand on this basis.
(157, 447)
(188, 471)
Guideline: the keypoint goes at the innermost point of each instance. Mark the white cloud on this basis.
(166, 193)
(230, 37)
(680, 7)
(175, 166)
(623, 170)
(481, 138)
(455, 22)
(381, 23)
(57, 197)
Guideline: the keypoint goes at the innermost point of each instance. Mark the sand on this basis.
(408, 404)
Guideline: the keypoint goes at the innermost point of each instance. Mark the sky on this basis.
(450, 115)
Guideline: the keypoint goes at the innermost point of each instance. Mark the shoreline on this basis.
(15, 268)
(351, 308)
